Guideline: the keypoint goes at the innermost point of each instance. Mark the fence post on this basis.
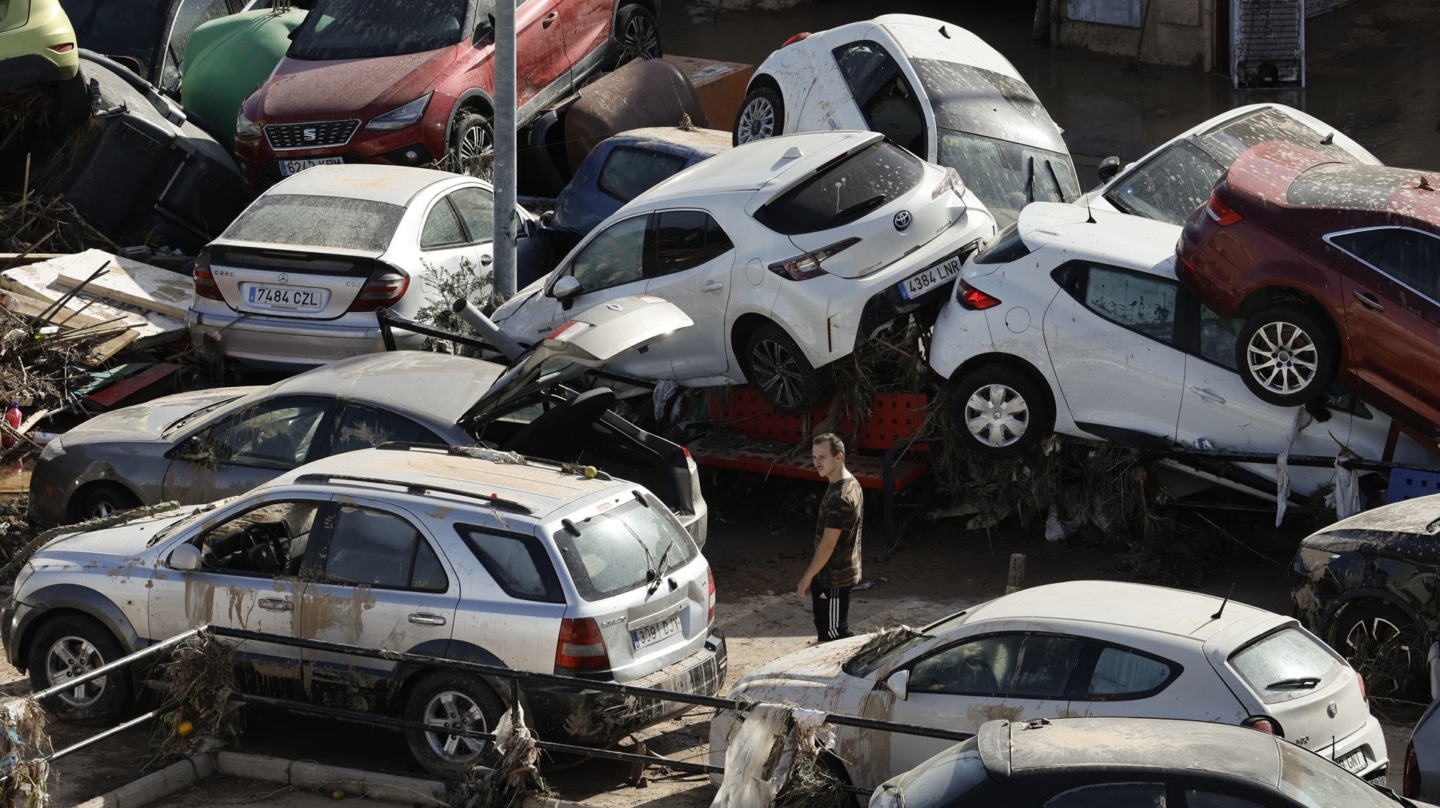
(1016, 581)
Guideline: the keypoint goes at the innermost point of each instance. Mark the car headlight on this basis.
(246, 129)
(400, 117)
(55, 448)
(22, 577)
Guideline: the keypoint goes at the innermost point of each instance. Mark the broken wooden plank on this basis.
(66, 319)
(113, 394)
(40, 281)
(142, 285)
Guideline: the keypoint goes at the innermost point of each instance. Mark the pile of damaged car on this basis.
(325, 410)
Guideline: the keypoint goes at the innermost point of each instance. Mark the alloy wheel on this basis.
(642, 38)
(452, 709)
(1382, 653)
(778, 374)
(757, 120)
(69, 658)
(1283, 358)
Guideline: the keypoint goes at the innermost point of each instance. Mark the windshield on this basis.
(1318, 783)
(844, 190)
(1008, 176)
(623, 548)
(366, 29)
(130, 28)
(318, 221)
(882, 650)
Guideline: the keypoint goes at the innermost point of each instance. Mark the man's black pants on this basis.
(832, 612)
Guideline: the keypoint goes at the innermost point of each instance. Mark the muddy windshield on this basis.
(1008, 176)
(366, 29)
(981, 102)
(623, 548)
(318, 221)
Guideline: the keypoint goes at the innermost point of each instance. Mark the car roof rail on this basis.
(494, 500)
(499, 456)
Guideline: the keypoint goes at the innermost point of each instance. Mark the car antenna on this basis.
(1221, 610)
(1089, 214)
(1328, 139)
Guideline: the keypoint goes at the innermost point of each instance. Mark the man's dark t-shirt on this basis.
(842, 508)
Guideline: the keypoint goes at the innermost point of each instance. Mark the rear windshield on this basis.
(968, 99)
(366, 29)
(844, 190)
(1227, 143)
(1008, 176)
(1334, 185)
(618, 550)
(1286, 664)
(318, 221)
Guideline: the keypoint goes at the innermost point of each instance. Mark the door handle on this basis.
(550, 19)
(276, 604)
(1368, 301)
(423, 619)
(712, 286)
(1208, 395)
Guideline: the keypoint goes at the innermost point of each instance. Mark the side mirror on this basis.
(184, 557)
(565, 288)
(899, 683)
(1109, 167)
(194, 448)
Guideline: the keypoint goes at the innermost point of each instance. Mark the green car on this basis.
(37, 43)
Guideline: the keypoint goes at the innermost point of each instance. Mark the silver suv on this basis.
(464, 553)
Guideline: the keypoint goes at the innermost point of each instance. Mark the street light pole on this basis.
(503, 174)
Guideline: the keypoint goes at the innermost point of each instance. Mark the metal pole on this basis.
(117, 664)
(504, 171)
(115, 730)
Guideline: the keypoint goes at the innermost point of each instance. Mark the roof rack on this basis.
(500, 456)
(494, 500)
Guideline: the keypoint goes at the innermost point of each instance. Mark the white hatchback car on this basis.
(296, 279)
(1064, 324)
(786, 254)
(928, 85)
(1095, 648)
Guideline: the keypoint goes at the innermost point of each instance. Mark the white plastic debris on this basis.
(1345, 496)
(748, 783)
(1282, 465)
(665, 389)
(1055, 530)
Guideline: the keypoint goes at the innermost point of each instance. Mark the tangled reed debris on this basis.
(24, 749)
(200, 675)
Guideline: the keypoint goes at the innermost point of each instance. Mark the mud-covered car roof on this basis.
(435, 385)
(1134, 606)
(1110, 238)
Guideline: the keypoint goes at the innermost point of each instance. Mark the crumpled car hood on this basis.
(317, 91)
(145, 422)
(1409, 526)
(811, 678)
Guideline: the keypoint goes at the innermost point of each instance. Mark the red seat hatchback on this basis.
(1334, 270)
(410, 82)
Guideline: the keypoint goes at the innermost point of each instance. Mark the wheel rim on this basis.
(996, 415)
(103, 509)
(70, 657)
(778, 374)
(453, 709)
(641, 38)
(1382, 653)
(1283, 358)
(757, 120)
(476, 152)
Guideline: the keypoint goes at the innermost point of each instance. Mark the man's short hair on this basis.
(837, 446)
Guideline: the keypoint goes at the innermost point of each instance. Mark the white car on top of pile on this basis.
(1092, 648)
(786, 253)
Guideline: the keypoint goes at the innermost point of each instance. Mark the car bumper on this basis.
(1369, 740)
(7, 631)
(597, 717)
(35, 68)
(417, 145)
(288, 345)
(891, 302)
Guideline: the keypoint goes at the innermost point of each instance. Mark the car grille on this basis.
(310, 135)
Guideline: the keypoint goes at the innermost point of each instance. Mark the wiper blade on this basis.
(863, 205)
(1297, 683)
(660, 567)
(1030, 180)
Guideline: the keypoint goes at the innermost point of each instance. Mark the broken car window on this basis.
(882, 93)
(267, 540)
(383, 550)
(1008, 176)
(1170, 187)
(273, 434)
(367, 29)
(845, 191)
(317, 221)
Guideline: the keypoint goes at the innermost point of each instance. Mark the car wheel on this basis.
(100, 501)
(1383, 645)
(70, 645)
(761, 116)
(450, 699)
(1000, 411)
(638, 34)
(1285, 357)
(787, 380)
(472, 147)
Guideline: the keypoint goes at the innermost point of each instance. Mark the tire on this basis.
(98, 501)
(70, 644)
(1383, 645)
(472, 147)
(1285, 356)
(761, 116)
(787, 380)
(443, 697)
(999, 411)
(638, 34)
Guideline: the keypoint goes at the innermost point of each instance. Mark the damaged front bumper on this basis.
(596, 717)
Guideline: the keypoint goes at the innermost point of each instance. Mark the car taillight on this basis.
(710, 593)
(808, 265)
(689, 461)
(1222, 213)
(204, 279)
(384, 288)
(972, 298)
(951, 182)
(66, 48)
(580, 647)
(798, 37)
(1264, 724)
(1360, 680)
(1410, 786)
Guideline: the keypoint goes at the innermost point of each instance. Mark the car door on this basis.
(249, 578)
(877, 97)
(585, 25)
(380, 582)
(1013, 675)
(234, 453)
(540, 57)
(693, 261)
(1391, 295)
(359, 426)
(455, 260)
(1114, 330)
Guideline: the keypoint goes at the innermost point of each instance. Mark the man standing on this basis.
(836, 565)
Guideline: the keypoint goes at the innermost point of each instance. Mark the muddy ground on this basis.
(759, 544)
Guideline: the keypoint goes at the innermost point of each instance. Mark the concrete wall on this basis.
(1172, 32)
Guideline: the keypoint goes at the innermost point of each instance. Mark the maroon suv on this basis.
(1335, 270)
(409, 82)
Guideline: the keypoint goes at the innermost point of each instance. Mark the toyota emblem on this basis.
(284, 278)
(902, 220)
(1331, 709)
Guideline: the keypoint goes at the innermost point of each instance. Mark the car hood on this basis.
(301, 89)
(121, 547)
(148, 421)
(813, 679)
(1411, 527)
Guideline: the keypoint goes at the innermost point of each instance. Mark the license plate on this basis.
(289, 167)
(287, 298)
(930, 279)
(655, 632)
(1355, 762)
